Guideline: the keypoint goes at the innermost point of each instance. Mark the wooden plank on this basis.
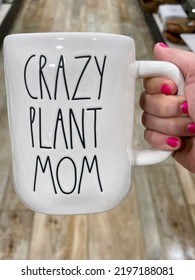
(192, 212)
(59, 237)
(5, 153)
(172, 213)
(148, 215)
(188, 183)
(117, 234)
(10, 199)
(15, 234)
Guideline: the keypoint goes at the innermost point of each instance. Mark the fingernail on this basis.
(191, 128)
(165, 89)
(184, 107)
(172, 142)
(163, 45)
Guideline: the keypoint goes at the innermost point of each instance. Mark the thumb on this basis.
(184, 60)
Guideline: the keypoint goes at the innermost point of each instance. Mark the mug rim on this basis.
(71, 34)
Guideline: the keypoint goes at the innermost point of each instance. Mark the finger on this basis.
(163, 106)
(180, 126)
(160, 85)
(185, 61)
(161, 141)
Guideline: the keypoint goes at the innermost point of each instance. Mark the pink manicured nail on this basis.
(184, 107)
(165, 89)
(172, 142)
(191, 128)
(163, 45)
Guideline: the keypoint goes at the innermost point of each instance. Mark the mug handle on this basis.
(154, 69)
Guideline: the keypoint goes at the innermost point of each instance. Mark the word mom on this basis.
(76, 178)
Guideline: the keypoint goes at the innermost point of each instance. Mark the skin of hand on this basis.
(169, 119)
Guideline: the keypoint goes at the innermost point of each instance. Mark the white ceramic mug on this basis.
(70, 103)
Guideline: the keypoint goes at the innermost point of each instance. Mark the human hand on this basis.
(170, 119)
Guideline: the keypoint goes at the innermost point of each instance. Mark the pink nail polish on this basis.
(163, 45)
(165, 89)
(191, 128)
(172, 142)
(184, 107)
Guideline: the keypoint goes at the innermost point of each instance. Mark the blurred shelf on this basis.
(155, 26)
(7, 16)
